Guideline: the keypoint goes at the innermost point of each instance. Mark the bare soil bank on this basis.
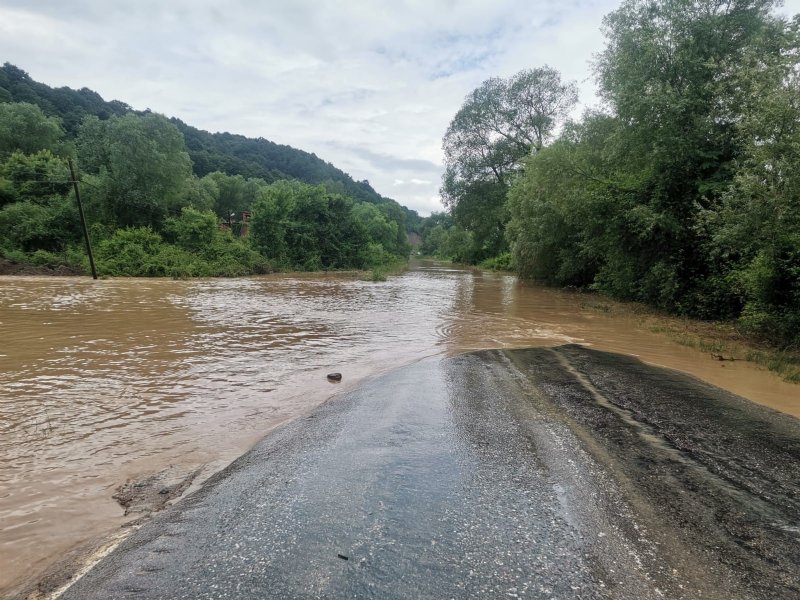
(10, 267)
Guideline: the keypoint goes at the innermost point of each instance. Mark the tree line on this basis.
(151, 214)
(682, 191)
(210, 152)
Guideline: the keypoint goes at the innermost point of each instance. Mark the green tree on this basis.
(500, 123)
(49, 224)
(25, 128)
(194, 230)
(33, 177)
(142, 168)
(233, 193)
(299, 226)
(377, 227)
(667, 74)
(755, 234)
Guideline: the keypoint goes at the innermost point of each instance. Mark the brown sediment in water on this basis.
(109, 381)
(139, 499)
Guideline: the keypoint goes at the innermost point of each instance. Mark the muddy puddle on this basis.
(119, 395)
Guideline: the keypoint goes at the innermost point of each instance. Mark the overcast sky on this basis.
(365, 84)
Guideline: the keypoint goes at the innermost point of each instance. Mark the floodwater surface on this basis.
(107, 381)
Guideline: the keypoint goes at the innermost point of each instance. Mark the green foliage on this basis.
(231, 194)
(378, 274)
(141, 166)
(482, 211)
(141, 252)
(686, 196)
(432, 232)
(266, 160)
(209, 152)
(25, 128)
(504, 262)
(302, 227)
(148, 211)
(373, 221)
(193, 230)
(33, 177)
(458, 245)
(500, 124)
(46, 225)
(26, 225)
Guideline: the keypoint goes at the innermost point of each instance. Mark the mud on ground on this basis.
(10, 267)
(140, 498)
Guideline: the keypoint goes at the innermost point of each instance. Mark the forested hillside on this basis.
(226, 152)
(165, 198)
(682, 191)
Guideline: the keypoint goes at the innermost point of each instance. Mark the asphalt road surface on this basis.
(540, 473)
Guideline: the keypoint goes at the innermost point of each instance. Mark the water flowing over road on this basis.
(539, 473)
(116, 380)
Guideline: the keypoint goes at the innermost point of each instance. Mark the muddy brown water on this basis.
(109, 381)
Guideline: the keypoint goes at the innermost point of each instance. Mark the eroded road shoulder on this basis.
(538, 473)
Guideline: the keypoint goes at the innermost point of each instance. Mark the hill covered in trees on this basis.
(682, 191)
(157, 190)
(226, 152)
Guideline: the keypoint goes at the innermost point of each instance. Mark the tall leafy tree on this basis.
(500, 123)
(141, 165)
(25, 128)
(667, 74)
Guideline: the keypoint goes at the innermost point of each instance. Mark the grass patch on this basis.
(382, 272)
(504, 262)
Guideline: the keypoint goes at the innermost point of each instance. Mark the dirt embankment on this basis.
(140, 498)
(10, 267)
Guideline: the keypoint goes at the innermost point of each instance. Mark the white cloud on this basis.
(368, 86)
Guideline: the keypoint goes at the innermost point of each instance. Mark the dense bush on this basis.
(504, 262)
(141, 252)
(150, 216)
(304, 227)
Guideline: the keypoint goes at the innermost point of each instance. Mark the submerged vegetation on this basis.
(683, 192)
(721, 340)
(154, 210)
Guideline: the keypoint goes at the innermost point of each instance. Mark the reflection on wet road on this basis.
(110, 380)
(538, 473)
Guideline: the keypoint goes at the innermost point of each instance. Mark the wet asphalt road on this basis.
(540, 473)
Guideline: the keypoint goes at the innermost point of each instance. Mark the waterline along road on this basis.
(545, 473)
(112, 392)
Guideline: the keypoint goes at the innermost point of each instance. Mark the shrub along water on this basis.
(684, 193)
(151, 216)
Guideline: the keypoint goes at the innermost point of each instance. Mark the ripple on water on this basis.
(101, 381)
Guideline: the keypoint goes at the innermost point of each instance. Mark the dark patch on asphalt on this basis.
(720, 472)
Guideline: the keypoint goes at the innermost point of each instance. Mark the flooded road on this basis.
(114, 380)
(561, 472)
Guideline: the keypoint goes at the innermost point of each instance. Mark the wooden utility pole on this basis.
(83, 219)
